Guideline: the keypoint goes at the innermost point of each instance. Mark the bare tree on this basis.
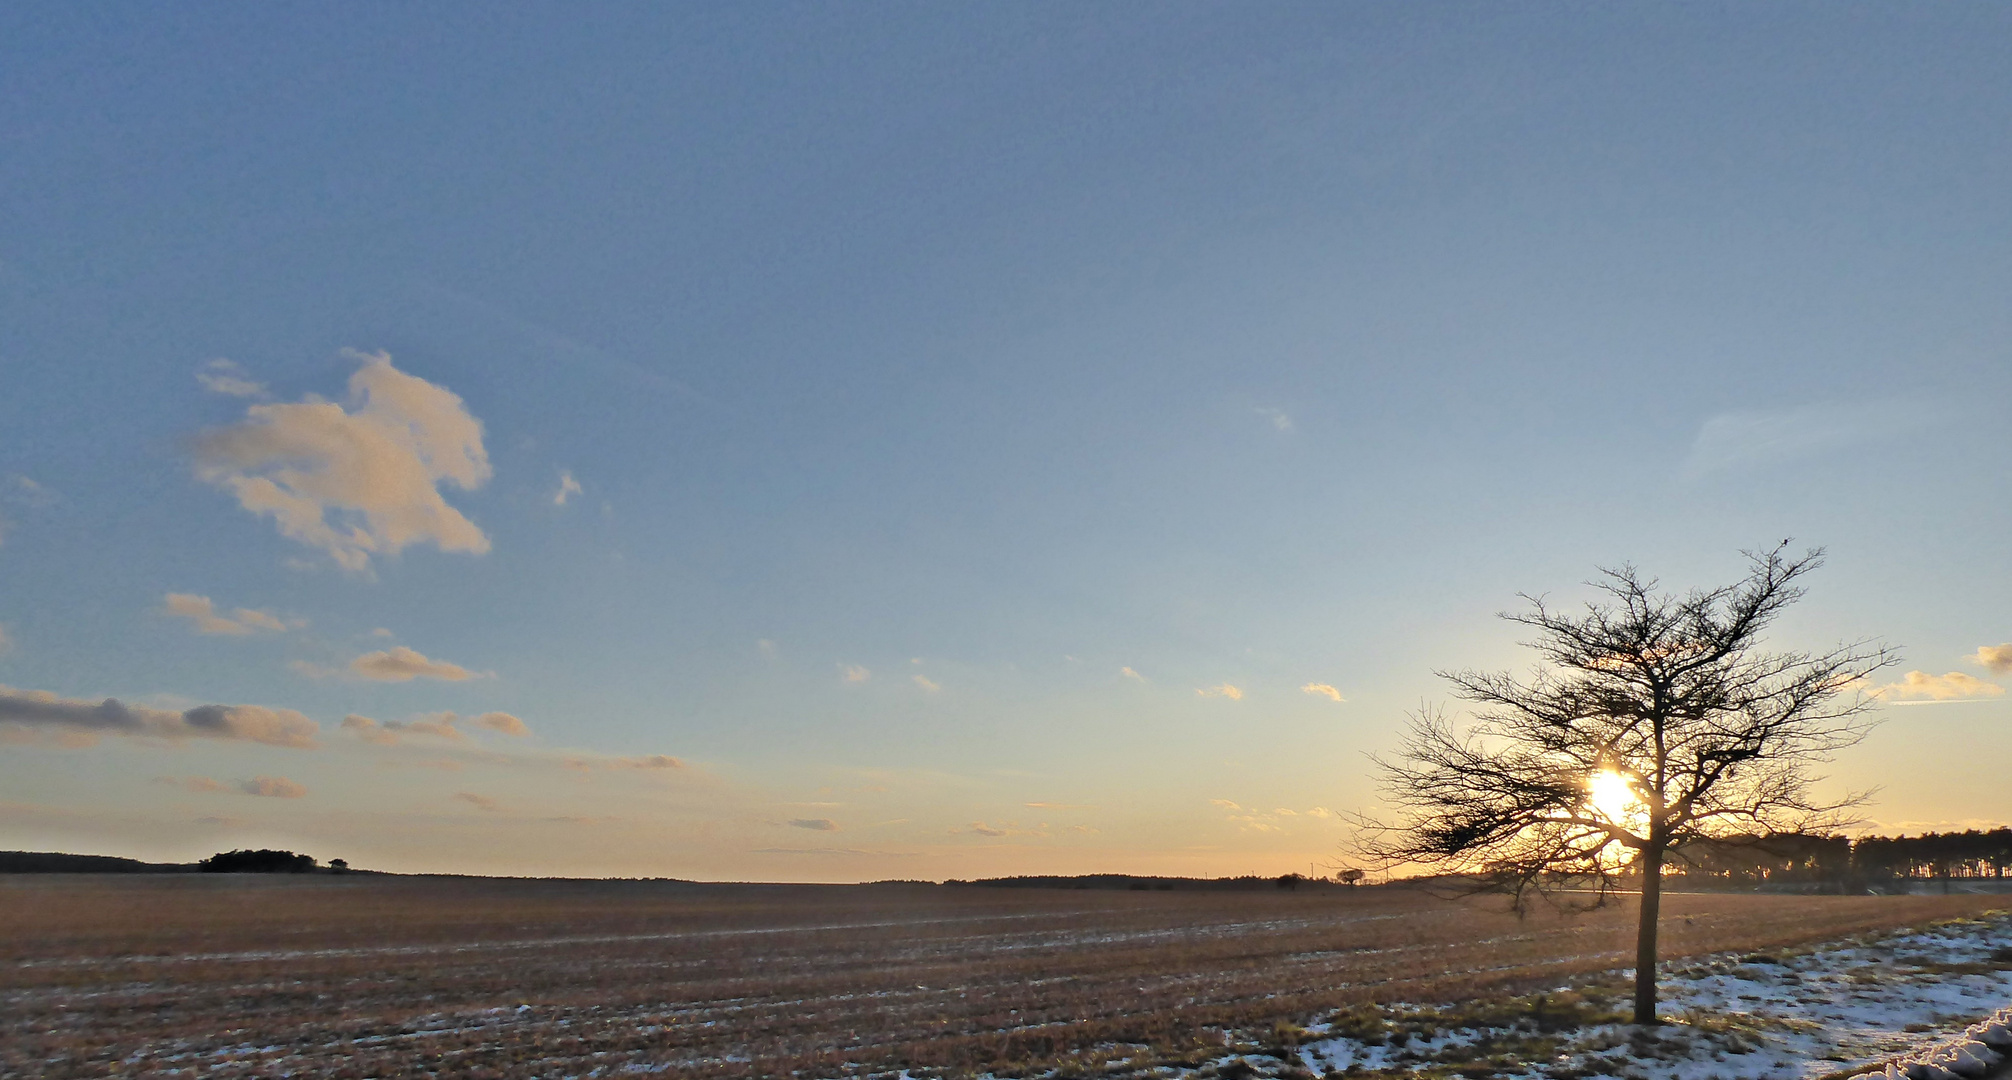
(1652, 721)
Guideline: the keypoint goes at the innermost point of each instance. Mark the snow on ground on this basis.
(1842, 1007)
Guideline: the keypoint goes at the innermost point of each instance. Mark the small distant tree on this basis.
(338, 866)
(1653, 722)
(1349, 876)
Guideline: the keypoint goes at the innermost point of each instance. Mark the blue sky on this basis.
(950, 395)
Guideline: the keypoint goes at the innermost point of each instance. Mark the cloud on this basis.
(1223, 691)
(927, 683)
(1277, 417)
(357, 481)
(1921, 686)
(1225, 804)
(503, 722)
(249, 723)
(567, 487)
(400, 664)
(221, 376)
(645, 761)
(438, 725)
(983, 829)
(271, 787)
(479, 802)
(1734, 440)
(766, 647)
(1130, 674)
(817, 824)
(201, 784)
(382, 632)
(1322, 689)
(199, 610)
(1997, 659)
(853, 673)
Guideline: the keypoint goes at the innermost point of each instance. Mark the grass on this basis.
(334, 977)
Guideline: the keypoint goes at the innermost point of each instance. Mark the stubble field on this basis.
(248, 976)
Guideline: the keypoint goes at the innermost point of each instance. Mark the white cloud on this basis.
(203, 613)
(1323, 690)
(400, 664)
(272, 787)
(927, 683)
(1996, 659)
(1224, 691)
(822, 824)
(567, 487)
(853, 673)
(250, 723)
(382, 632)
(375, 467)
(1130, 674)
(1225, 804)
(1921, 686)
(222, 376)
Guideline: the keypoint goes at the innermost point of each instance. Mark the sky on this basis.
(839, 442)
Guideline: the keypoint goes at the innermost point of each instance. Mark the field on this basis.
(253, 976)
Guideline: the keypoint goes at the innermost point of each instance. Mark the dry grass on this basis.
(359, 976)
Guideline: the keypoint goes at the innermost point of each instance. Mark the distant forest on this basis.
(1845, 863)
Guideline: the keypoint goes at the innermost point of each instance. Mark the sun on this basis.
(1612, 796)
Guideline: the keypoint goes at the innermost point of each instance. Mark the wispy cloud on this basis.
(502, 722)
(248, 723)
(436, 725)
(271, 787)
(222, 376)
(1997, 659)
(1322, 689)
(1130, 674)
(1279, 420)
(567, 487)
(927, 683)
(1742, 439)
(199, 784)
(203, 613)
(1921, 686)
(853, 673)
(1224, 691)
(586, 763)
(479, 802)
(400, 664)
(374, 467)
(820, 824)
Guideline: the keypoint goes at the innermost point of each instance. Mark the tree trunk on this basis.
(1645, 938)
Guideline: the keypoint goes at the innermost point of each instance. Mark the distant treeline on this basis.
(1803, 858)
(52, 862)
(263, 861)
(1135, 883)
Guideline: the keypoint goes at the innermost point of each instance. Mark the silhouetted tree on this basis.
(262, 861)
(1655, 721)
